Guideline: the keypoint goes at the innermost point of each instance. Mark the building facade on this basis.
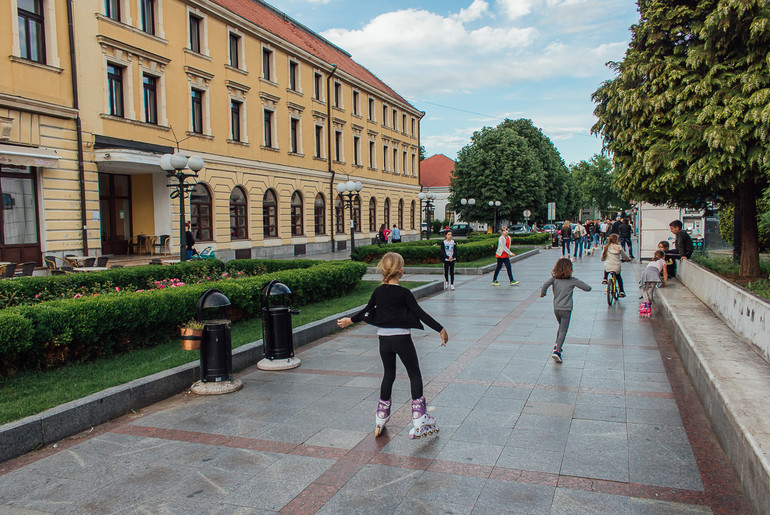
(278, 114)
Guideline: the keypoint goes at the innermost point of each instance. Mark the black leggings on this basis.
(401, 346)
(449, 271)
(620, 280)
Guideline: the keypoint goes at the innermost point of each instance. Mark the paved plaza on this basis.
(616, 428)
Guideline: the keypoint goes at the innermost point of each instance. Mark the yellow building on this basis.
(279, 115)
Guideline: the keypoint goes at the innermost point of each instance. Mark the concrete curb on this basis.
(731, 381)
(419, 270)
(30, 433)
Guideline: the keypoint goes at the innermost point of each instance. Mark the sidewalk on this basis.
(616, 428)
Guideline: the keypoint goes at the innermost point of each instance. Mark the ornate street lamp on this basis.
(349, 190)
(468, 201)
(494, 204)
(427, 199)
(175, 166)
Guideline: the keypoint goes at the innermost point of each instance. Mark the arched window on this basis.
(270, 214)
(386, 213)
(339, 214)
(296, 214)
(401, 213)
(238, 214)
(319, 214)
(357, 213)
(411, 216)
(372, 215)
(200, 213)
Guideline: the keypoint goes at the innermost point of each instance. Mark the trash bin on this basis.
(277, 337)
(216, 348)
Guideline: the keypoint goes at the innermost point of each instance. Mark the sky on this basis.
(470, 64)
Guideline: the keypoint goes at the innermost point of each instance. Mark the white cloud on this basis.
(515, 9)
(475, 11)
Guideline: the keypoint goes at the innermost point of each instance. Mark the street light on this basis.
(428, 199)
(175, 166)
(494, 204)
(467, 202)
(350, 190)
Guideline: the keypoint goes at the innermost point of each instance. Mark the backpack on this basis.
(577, 232)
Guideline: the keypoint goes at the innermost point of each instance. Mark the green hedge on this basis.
(52, 333)
(28, 290)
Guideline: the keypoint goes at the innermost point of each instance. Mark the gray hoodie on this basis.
(562, 291)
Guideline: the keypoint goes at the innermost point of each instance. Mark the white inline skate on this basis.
(424, 424)
(382, 415)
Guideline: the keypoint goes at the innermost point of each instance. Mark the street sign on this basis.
(552, 211)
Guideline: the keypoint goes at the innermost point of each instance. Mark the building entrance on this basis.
(115, 212)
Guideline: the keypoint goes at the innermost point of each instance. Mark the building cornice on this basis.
(30, 105)
(131, 49)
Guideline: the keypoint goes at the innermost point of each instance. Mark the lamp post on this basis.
(468, 201)
(494, 204)
(349, 190)
(427, 198)
(177, 166)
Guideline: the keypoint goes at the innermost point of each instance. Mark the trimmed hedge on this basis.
(50, 334)
(27, 290)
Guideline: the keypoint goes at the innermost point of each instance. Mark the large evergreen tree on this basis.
(516, 164)
(594, 181)
(687, 118)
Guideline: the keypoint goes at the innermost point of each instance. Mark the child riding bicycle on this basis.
(612, 255)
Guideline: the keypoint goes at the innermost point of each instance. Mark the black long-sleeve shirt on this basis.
(392, 305)
(683, 244)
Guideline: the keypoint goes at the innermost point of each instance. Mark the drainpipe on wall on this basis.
(78, 127)
(332, 198)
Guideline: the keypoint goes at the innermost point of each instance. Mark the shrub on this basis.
(51, 333)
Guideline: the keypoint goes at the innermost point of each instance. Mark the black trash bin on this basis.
(216, 343)
(277, 336)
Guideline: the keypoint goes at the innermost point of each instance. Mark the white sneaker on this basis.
(452, 287)
(446, 285)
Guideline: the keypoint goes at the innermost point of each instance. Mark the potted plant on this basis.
(192, 331)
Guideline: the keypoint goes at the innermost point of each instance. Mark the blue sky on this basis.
(473, 63)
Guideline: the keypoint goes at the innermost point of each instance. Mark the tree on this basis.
(594, 182)
(497, 164)
(560, 188)
(687, 117)
(422, 153)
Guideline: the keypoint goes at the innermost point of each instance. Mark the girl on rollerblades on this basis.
(394, 310)
(654, 275)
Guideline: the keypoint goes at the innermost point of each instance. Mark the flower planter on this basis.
(191, 338)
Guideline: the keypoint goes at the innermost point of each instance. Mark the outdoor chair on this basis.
(50, 262)
(138, 244)
(9, 271)
(162, 245)
(58, 271)
(26, 269)
(89, 262)
(101, 261)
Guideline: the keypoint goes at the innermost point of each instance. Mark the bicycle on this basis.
(612, 288)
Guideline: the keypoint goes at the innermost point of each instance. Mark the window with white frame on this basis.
(31, 26)
(403, 123)
(115, 93)
(268, 126)
(148, 10)
(294, 136)
(150, 98)
(357, 150)
(294, 81)
(200, 113)
(319, 214)
(197, 31)
(338, 95)
(236, 108)
(319, 141)
(404, 157)
(413, 124)
(414, 161)
(338, 150)
(196, 110)
(318, 87)
(356, 103)
(196, 23)
(372, 154)
(234, 47)
(371, 110)
(394, 119)
(385, 149)
(111, 9)
(395, 158)
(385, 115)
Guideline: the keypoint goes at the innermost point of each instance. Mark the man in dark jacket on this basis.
(682, 241)
(624, 231)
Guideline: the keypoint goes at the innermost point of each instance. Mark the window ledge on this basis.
(357, 166)
(338, 108)
(372, 169)
(271, 149)
(114, 118)
(198, 135)
(21, 60)
(235, 69)
(319, 101)
(372, 120)
(295, 92)
(316, 158)
(133, 29)
(241, 143)
(296, 154)
(338, 162)
(197, 54)
(267, 81)
(360, 117)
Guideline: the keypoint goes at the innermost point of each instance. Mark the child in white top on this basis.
(612, 255)
(448, 257)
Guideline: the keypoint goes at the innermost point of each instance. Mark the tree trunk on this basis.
(749, 231)
(737, 229)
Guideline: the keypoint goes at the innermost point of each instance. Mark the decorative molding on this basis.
(107, 42)
(29, 105)
(6, 125)
(48, 67)
(236, 85)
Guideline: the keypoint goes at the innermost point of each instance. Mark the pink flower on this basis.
(117, 289)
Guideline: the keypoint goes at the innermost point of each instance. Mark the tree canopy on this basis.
(687, 117)
(594, 179)
(515, 164)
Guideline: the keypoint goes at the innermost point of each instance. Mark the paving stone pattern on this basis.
(616, 428)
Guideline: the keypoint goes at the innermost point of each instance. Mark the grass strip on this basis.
(30, 392)
(727, 268)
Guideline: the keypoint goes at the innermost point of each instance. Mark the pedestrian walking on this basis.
(612, 255)
(566, 237)
(503, 255)
(578, 238)
(394, 310)
(563, 284)
(449, 255)
(624, 231)
(654, 275)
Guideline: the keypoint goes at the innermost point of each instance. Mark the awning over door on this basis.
(28, 156)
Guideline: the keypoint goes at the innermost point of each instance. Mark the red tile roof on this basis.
(278, 23)
(436, 171)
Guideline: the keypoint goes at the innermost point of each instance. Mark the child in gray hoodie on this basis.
(563, 283)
